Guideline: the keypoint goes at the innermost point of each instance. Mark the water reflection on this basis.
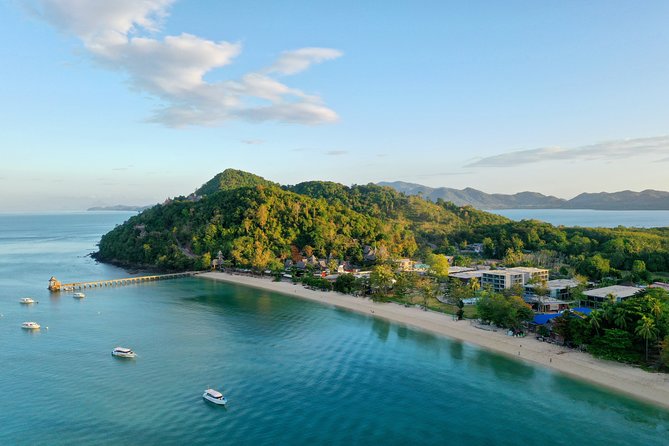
(457, 349)
(502, 367)
(381, 328)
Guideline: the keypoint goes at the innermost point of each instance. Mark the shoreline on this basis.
(631, 381)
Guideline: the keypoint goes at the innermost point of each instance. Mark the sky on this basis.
(107, 102)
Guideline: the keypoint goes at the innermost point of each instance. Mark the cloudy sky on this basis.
(131, 101)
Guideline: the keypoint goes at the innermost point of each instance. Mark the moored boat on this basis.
(123, 352)
(215, 397)
(30, 325)
(27, 300)
(79, 295)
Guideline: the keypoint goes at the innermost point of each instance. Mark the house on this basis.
(618, 293)
(664, 286)
(405, 264)
(546, 305)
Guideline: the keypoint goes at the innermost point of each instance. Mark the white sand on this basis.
(632, 381)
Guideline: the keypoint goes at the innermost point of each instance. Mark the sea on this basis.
(589, 217)
(294, 372)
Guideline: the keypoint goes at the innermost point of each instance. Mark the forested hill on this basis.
(257, 224)
(254, 222)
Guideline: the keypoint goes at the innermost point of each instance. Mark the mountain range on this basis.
(624, 200)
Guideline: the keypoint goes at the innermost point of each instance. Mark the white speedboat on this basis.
(215, 397)
(27, 300)
(123, 352)
(30, 325)
(79, 295)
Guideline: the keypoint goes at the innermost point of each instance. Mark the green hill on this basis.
(232, 179)
(258, 224)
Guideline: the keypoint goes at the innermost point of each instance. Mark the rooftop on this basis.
(616, 290)
(466, 274)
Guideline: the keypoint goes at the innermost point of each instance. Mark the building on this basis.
(466, 276)
(664, 286)
(618, 292)
(459, 269)
(529, 273)
(559, 289)
(501, 279)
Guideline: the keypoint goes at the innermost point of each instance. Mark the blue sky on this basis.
(131, 101)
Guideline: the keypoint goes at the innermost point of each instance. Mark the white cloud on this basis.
(619, 149)
(118, 35)
(292, 62)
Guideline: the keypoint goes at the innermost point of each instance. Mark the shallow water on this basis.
(294, 372)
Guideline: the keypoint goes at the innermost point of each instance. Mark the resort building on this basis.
(501, 279)
(466, 276)
(531, 274)
(459, 269)
(616, 292)
(559, 289)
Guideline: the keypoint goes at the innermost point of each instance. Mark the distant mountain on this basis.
(119, 207)
(624, 200)
(478, 199)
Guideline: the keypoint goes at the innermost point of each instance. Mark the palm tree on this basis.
(646, 329)
(474, 284)
(596, 320)
(655, 308)
(620, 318)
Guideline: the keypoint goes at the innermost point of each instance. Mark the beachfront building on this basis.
(501, 279)
(559, 289)
(595, 298)
(466, 276)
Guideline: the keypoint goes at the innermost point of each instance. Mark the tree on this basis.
(595, 320)
(438, 265)
(646, 329)
(639, 273)
(664, 352)
(488, 247)
(345, 283)
(428, 290)
(381, 279)
(474, 284)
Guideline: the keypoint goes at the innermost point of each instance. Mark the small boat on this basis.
(79, 295)
(123, 352)
(215, 397)
(27, 300)
(30, 325)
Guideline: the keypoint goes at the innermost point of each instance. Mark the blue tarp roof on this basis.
(541, 319)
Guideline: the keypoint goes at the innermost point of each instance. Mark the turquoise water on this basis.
(294, 372)
(590, 218)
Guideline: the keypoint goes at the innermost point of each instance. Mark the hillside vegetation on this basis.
(256, 223)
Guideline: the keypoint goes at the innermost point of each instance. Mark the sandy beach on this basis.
(632, 381)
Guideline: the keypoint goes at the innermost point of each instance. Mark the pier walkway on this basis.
(55, 285)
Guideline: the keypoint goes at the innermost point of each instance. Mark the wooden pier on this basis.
(55, 285)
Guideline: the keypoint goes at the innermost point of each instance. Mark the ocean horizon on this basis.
(589, 217)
